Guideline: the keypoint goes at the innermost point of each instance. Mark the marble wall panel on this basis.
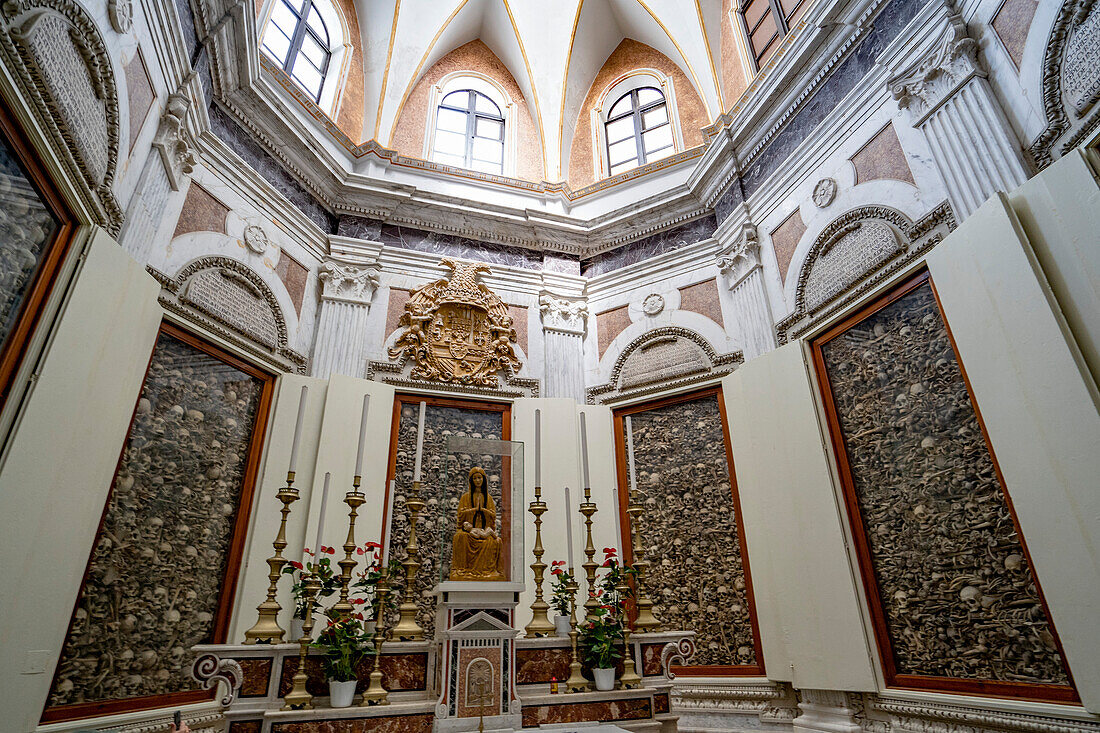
(155, 579)
(139, 90)
(690, 232)
(629, 709)
(610, 324)
(401, 672)
(702, 298)
(953, 581)
(393, 235)
(785, 238)
(423, 723)
(294, 276)
(1012, 23)
(689, 529)
(201, 213)
(444, 475)
(395, 308)
(519, 322)
(882, 157)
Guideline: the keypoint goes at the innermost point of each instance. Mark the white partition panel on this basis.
(1040, 410)
(811, 623)
(56, 477)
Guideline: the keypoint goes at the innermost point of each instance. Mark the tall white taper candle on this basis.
(321, 520)
(584, 453)
(630, 454)
(362, 437)
(298, 428)
(538, 447)
(569, 526)
(419, 441)
(388, 539)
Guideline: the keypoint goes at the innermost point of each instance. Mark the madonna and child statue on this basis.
(476, 550)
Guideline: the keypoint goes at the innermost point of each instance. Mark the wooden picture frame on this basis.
(235, 554)
(619, 416)
(1021, 690)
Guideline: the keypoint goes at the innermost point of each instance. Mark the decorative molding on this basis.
(653, 304)
(209, 670)
(926, 83)
(255, 238)
(63, 69)
(175, 143)
(708, 365)
(159, 723)
(914, 239)
(824, 193)
(121, 15)
(743, 258)
(175, 299)
(397, 373)
(348, 282)
(1060, 128)
(564, 314)
(947, 718)
(680, 651)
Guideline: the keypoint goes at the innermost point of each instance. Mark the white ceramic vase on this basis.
(561, 626)
(340, 694)
(605, 678)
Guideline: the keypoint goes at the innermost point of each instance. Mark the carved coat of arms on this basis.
(457, 330)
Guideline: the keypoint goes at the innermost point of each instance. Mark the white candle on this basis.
(630, 454)
(388, 519)
(419, 442)
(569, 527)
(538, 447)
(298, 429)
(321, 521)
(362, 437)
(584, 453)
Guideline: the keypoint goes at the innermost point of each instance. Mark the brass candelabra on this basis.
(588, 508)
(354, 499)
(267, 629)
(629, 678)
(576, 681)
(376, 694)
(407, 629)
(299, 698)
(540, 624)
(644, 620)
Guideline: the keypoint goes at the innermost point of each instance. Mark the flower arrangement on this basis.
(322, 570)
(344, 643)
(604, 628)
(367, 580)
(560, 595)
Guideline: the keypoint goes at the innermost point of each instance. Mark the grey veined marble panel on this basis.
(691, 232)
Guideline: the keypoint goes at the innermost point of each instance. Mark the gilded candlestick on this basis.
(629, 677)
(576, 681)
(354, 499)
(588, 508)
(407, 629)
(645, 619)
(299, 697)
(267, 629)
(376, 694)
(540, 624)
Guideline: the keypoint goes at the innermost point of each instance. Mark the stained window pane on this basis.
(318, 26)
(620, 129)
(313, 51)
(486, 105)
(623, 167)
(654, 117)
(461, 99)
(450, 143)
(488, 150)
(276, 44)
(26, 227)
(620, 107)
(448, 119)
(622, 151)
(656, 139)
(491, 129)
(648, 95)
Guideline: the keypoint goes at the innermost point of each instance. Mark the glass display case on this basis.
(481, 519)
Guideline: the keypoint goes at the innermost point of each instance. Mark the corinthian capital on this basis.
(174, 141)
(742, 258)
(348, 282)
(926, 82)
(560, 313)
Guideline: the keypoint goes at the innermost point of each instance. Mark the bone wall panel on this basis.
(689, 529)
(155, 578)
(954, 584)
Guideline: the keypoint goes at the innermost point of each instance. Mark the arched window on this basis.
(297, 37)
(766, 22)
(469, 132)
(638, 130)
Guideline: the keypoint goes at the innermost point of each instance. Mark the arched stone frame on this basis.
(710, 366)
(332, 88)
(50, 46)
(177, 299)
(634, 79)
(911, 240)
(1073, 43)
(491, 88)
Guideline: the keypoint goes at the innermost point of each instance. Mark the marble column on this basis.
(563, 324)
(341, 342)
(826, 710)
(949, 99)
(739, 263)
(165, 172)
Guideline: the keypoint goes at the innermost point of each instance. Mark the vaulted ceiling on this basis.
(552, 49)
